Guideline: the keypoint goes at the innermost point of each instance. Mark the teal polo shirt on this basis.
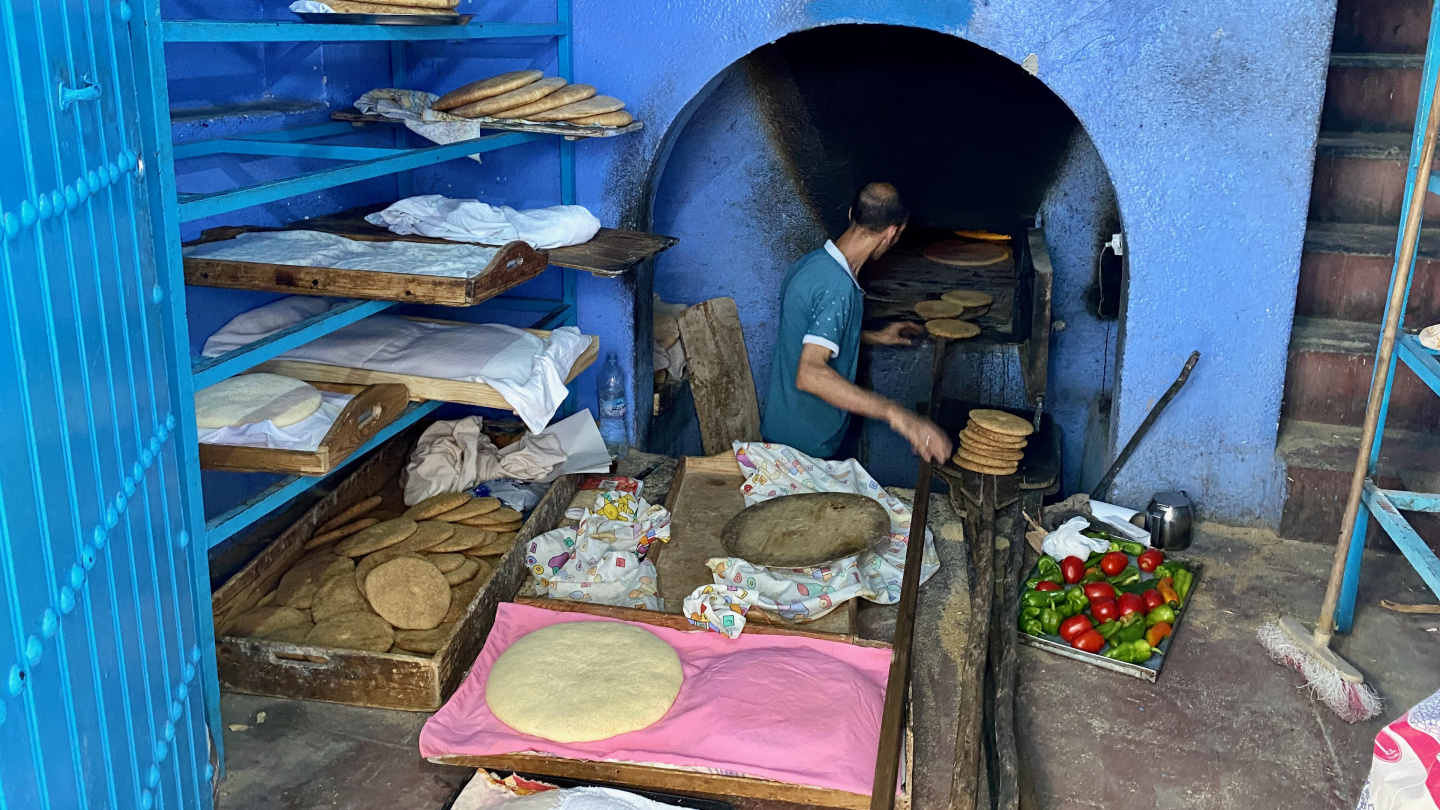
(820, 303)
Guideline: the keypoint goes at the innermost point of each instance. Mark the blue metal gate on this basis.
(101, 655)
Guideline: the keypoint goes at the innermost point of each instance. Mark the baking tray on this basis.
(1148, 671)
(384, 19)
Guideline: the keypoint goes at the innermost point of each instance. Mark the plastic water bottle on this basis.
(611, 388)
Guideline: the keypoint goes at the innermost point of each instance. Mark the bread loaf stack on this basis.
(388, 7)
(383, 582)
(993, 442)
(530, 95)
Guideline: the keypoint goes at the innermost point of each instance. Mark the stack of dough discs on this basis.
(569, 94)
(487, 88)
(251, 398)
(938, 310)
(993, 442)
(952, 329)
(956, 253)
(528, 94)
(975, 303)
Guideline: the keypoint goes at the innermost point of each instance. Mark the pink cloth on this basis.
(785, 708)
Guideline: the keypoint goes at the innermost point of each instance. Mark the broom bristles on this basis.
(1353, 702)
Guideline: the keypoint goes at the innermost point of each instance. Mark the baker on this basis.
(812, 377)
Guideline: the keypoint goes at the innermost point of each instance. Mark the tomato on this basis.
(1073, 568)
(1150, 560)
(1099, 590)
(1153, 599)
(1074, 626)
(1104, 610)
(1088, 641)
(1046, 585)
(1113, 563)
(1131, 603)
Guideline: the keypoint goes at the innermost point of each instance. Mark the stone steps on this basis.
(1328, 378)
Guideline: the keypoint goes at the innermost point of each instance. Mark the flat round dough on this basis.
(384, 555)
(251, 398)
(596, 105)
(463, 594)
(798, 531)
(273, 622)
(358, 630)
(410, 594)
(463, 538)
(337, 595)
(497, 517)
(934, 310)
(472, 508)
(619, 118)
(436, 505)
(569, 94)
(425, 642)
(336, 535)
(952, 329)
(1001, 422)
(968, 298)
(298, 586)
(446, 562)
(983, 457)
(487, 88)
(973, 436)
(981, 452)
(956, 253)
(559, 682)
(359, 510)
(986, 469)
(381, 535)
(463, 573)
(515, 98)
(983, 236)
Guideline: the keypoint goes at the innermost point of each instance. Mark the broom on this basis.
(1330, 678)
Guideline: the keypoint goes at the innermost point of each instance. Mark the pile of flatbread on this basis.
(436, 7)
(384, 582)
(530, 95)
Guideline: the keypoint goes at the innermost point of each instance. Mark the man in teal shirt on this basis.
(812, 377)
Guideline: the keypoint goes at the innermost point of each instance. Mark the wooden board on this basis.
(514, 264)
(719, 373)
(373, 408)
(669, 780)
(610, 252)
(421, 388)
(704, 496)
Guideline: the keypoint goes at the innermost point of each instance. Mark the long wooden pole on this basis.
(1394, 310)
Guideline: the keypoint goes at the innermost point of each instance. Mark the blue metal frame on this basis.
(280, 31)
(1385, 505)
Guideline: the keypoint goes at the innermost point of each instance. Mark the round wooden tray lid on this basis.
(798, 531)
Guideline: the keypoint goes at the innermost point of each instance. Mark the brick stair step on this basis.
(1328, 378)
(1345, 272)
(1371, 93)
(1401, 26)
(1360, 178)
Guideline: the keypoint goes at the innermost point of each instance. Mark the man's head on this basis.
(879, 210)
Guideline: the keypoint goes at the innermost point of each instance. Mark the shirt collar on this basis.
(845, 263)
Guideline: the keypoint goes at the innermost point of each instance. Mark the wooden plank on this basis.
(421, 388)
(719, 372)
(1037, 354)
(967, 776)
(674, 621)
(570, 132)
(514, 264)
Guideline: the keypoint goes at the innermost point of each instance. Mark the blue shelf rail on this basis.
(1387, 505)
(286, 31)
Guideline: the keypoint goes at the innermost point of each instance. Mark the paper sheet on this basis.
(584, 447)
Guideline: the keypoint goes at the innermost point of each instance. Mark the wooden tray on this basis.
(379, 680)
(421, 388)
(675, 780)
(373, 407)
(515, 263)
(704, 495)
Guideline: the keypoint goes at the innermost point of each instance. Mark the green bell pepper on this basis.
(1131, 628)
(1094, 559)
(1050, 621)
(1168, 568)
(1041, 599)
(1049, 570)
(1077, 598)
(1183, 579)
(1162, 613)
(1065, 609)
(1130, 575)
(1133, 549)
(1108, 629)
(1131, 652)
(1092, 574)
(1031, 627)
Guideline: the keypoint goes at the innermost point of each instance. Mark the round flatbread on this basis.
(558, 683)
(569, 94)
(445, 562)
(952, 329)
(410, 594)
(351, 514)
(425, 642)
(357, 630)
(463, 539)
(980, 452)
(463, 594)
(341, 533)
(487, 88)
(381, 535)
(986, 469)
(968, 298)
(799, 531)
(495, 543)
(934, 310)
(467, 569)
(372, 561)
(619, 118)
(337, 595)
(1007, 424)
(298, 586)
(971, 437)
(497, 517)
(358, 7)
(955, 253)
(436, 505)
(251, 398)
(515, 98)
(985, 458)
(991, 437)
(472, 508)
(273, 622)
(595, 105)
(983, 236)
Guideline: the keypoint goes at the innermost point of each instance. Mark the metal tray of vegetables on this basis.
(1119, 609)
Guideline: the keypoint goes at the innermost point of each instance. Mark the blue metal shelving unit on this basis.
(1386, 505)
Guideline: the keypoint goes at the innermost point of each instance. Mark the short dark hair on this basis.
(877, 206)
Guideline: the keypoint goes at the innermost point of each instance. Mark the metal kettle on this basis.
(1169, 518)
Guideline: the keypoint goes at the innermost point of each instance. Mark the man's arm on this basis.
(815, 376)
(898, 333)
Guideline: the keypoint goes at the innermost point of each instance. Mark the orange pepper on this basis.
(1157, 632)
(1166, 587)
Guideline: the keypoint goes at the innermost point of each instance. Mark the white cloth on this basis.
(1067, 541)
(455, 456)
(799, 594)
(304, 435)
(485, 792)
(1430, 337)
(320, 249)
(441, 217)
(603, 559)
(527, 370)
(412, 108)
(310, 7)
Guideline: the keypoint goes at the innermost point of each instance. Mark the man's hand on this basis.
(899, 333)
(926, 438)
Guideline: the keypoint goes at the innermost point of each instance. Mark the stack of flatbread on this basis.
(530, 95)
(390, 7)
(382, 582)
(993, 442)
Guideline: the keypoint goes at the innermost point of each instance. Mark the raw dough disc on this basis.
(515, 98)
(339, 534)
(358, 630)
(797, 531)
(410, 594)
(569, 94)
(359, 510)
(952, 329)
(956, 253)
(968, 298)
(381, 535)
(1001, 422)
(472, 508)
(933, 310)
(560, 682)
(436, 505)
(251, 398)
(426, 642)
(487, 88)
(619, 118)
(597, 105)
